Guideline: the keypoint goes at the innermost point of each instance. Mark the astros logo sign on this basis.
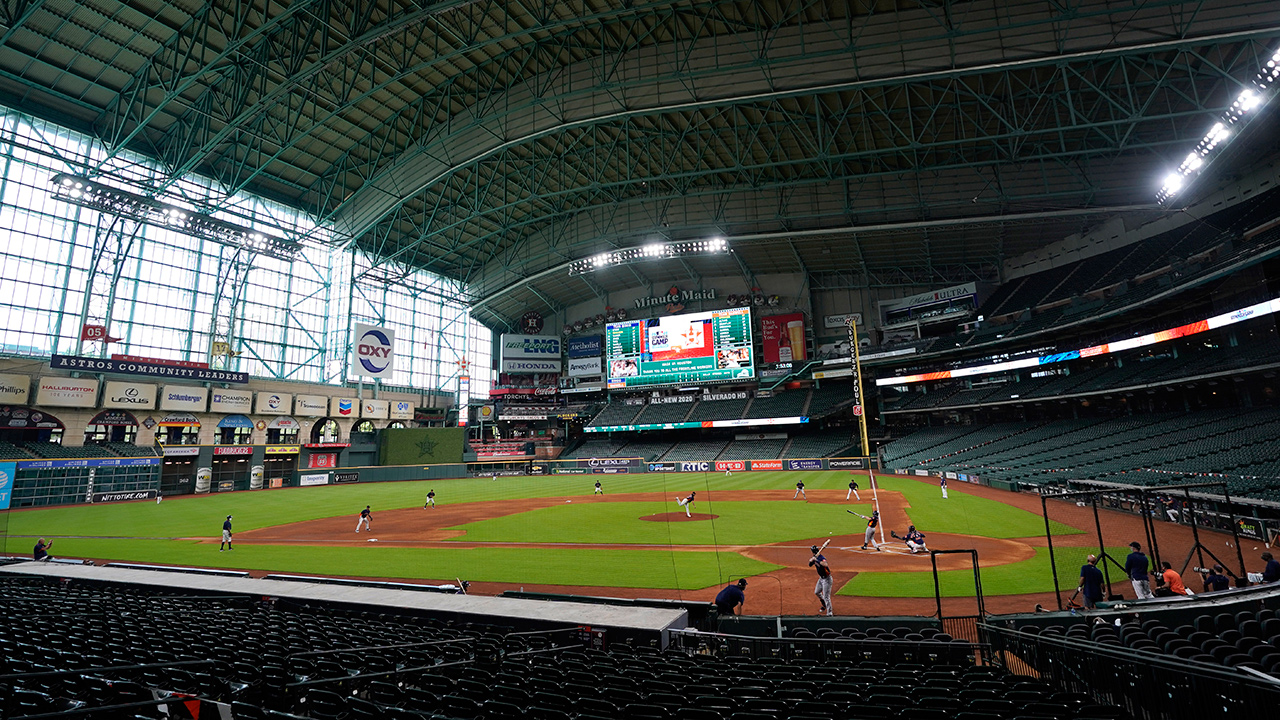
(374, 351)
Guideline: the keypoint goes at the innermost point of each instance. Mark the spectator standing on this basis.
(732, 597)
(1090, 582)
(1216, 580)
(1135, 566)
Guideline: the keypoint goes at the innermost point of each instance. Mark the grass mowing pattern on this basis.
(740, 523)
(657, 569)
(1028, 576)
(120, 531)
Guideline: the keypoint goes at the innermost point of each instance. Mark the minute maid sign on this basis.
(675, 296)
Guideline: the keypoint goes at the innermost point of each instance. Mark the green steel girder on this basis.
(524, 115)
(1061, 116)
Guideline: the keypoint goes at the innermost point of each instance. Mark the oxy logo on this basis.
(345, 407)
(374, 351)
(273, 402)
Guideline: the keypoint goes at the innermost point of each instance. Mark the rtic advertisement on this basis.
(694, 467)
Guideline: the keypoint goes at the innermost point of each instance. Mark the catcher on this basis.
(914, 539)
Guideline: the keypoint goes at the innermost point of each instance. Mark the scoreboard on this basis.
(689, 349)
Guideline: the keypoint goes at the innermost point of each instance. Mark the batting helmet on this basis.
(875, 513)
(813, 549)
(911, 528)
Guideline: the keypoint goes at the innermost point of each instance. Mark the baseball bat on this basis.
(824, 545)
(1072, 600)
(864, 517)
(464, 590)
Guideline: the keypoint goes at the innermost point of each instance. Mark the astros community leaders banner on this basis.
(135, 367)
(373, 351)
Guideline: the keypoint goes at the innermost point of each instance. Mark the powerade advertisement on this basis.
(693, 348)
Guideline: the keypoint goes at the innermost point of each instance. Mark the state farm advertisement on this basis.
(766, 464)
(783, 338)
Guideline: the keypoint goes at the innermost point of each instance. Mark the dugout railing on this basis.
(825, 650)
(1147, 685)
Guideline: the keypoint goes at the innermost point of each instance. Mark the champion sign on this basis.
(373, 352)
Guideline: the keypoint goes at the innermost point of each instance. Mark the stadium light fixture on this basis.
(1245, 106)
(651, 251)
(114, 201)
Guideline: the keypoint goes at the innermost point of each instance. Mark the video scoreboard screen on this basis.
(690, 349)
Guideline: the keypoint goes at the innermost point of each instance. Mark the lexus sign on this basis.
(373, 351)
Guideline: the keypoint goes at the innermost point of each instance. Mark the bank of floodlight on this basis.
(1244, 107)
(114, 201)
(651, 251)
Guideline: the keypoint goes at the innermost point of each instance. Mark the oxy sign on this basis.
(373, 351)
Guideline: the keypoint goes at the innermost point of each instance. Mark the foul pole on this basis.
(855, 364)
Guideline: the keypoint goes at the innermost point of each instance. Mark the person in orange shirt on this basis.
(1172, 579)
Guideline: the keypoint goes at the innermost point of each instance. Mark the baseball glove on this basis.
(894, 535)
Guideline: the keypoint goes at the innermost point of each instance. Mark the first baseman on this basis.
(687, 503)
(226, 535)
(800, 491)
(366, 516)
(870, 535)
(853, 488)
(823, 587)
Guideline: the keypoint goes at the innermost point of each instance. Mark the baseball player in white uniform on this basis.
(943, 484)
(687, 503)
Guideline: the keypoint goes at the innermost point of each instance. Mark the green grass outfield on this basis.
(147, 532)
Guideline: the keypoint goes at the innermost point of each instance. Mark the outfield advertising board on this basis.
(730, 465)
(767, 465)
(313, 479)
(847, 464)
(101, 497)
(806, 464)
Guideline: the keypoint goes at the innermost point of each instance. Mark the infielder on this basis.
(914, 539)
(800, 491)
(599, 490)
(226, 535)
(366, 516)
(687, 503)
(943, 484)
(853, 488)
(823, 587)
(431, 501)
(872, 523)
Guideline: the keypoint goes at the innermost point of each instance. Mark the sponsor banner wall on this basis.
(273, 403)
(401, 410)
(374, 409)
(589, 346)
(733, 465)
(846, 464)
(310, 405)
(671, 399)
(179, 419)
(284, 423)
(180, 451)
(610, 462)
(950, 475)
(15, 389)
(807, 464)
(230, 401)
(922, 473)
(181, 397)
(234, 450)
(783, 338)
(147, 367)
(735, 395)
(695, 466)
(90, 462)
(767, 465)
(664, 467)
(101, 497)
(313, 479)
(840, 322)
(926, 298)
(569, 471)
(67, 392)
(346, 477)
(283, 449)
(129, 396)
(373, 351)
(610, 471)
(114, 418)
(529, 347)
(7, 472)
(585, 367)
(344, 407)
(534, 366)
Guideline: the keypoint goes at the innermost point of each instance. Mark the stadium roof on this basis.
(866, 142)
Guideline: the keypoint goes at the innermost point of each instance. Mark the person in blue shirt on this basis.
(226, 535)
(1090, 582)
(1216, 580)
(731, 597)
(1135, 566)
(41, 551)
(1270, 573)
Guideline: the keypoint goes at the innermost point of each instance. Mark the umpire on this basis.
(731, 597)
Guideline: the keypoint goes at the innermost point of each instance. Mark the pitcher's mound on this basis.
(677, 517)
